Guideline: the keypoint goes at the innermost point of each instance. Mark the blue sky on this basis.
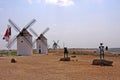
(76, 23)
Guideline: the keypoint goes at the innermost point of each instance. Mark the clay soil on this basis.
(48, 67)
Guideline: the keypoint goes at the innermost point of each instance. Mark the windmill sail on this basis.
(30, 24)
(33, 32)
(14, 25)
(45, 31)
(41, 42)
(24, 39)
(55, 45)
(11, 42)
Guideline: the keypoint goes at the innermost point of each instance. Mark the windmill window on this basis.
(21, 41)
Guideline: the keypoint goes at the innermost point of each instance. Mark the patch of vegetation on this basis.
(6, 53)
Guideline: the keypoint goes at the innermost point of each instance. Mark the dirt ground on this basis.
(48, 67)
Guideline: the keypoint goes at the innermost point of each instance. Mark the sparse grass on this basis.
(81, 52)
(6, 53)
(61, 51)
(56, 51)
(77, 52)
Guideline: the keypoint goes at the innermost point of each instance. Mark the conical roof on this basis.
(41, 37)
(24, 32)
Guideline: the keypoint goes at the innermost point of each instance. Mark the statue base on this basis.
(102, 62)
(65, 59)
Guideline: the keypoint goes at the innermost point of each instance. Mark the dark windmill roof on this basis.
(24, 32)
(41, 37)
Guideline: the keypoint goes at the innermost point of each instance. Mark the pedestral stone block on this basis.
(65, 59)
(102, 62)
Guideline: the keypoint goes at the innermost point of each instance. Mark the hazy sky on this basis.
(76, 23)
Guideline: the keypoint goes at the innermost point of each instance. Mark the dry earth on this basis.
(48, 67)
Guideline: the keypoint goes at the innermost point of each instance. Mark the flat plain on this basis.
(48, 67)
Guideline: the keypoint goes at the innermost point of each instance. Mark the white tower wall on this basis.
(23, 46)
(42, 46)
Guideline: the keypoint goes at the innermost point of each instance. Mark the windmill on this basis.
(24, 39)
(41, 42)
(55, 45)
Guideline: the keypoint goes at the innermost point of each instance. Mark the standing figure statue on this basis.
(65, 52)
(101, 47)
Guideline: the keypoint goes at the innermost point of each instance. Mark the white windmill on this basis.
(55, 45)
(41, 42)
(24, 39)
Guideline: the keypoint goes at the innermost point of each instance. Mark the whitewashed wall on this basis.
(42, 45)
(24, 48)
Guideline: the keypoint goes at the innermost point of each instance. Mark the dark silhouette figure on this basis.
(106, 48)
(101, 47)
(65, 52)
(39, 51)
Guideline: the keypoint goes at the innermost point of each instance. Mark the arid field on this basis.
(48, 67)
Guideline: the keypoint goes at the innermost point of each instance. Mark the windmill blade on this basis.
(33, 32)
(34, 43)
(54, 41)
(11, 42)
(14, 25)
(54, 46)
(63, 44)
(30, 24)
(45, 31)
(58, 46)
(57, 41)
(27, 41)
